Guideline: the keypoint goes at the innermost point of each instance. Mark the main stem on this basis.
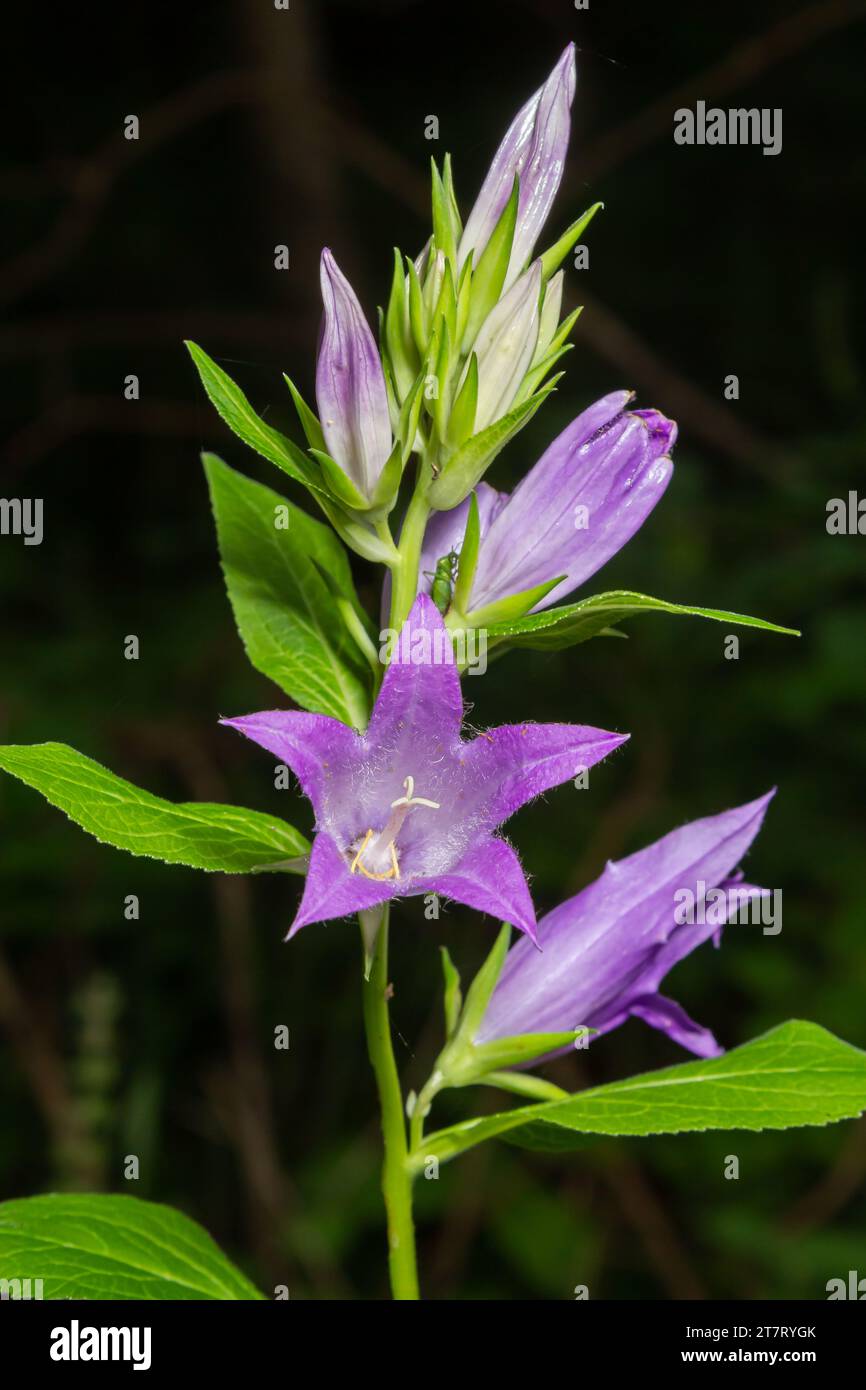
(396, 1180)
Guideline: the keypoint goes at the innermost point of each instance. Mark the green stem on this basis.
(396, 1178)
(405, 574)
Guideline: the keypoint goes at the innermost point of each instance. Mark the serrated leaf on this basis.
(231, 403)
(797, 1074)
(84, 1246)
(202, 835)
(285, 613)
(591, 617)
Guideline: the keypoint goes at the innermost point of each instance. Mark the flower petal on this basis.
(330, 890)
(668, 1016)
(489, 879)
(514, 763)
(419, 705)
(316, 747)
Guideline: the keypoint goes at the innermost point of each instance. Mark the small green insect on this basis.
(444, 577)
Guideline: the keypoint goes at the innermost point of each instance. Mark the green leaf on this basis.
(286, 615)
(797, 1074)
(577, 622)
(231, 403)
(84, 1246)
(222, 839)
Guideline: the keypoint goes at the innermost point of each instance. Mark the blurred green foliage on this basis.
(155, 1036)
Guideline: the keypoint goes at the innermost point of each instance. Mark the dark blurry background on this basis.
(306, 127)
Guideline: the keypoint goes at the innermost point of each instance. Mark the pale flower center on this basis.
(376, 853)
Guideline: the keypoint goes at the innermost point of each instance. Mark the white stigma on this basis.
(379, 849)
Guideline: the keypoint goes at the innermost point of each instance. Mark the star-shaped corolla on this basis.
(605, 952)
(410, 807)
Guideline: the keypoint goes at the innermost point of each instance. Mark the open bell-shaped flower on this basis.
(409, 806)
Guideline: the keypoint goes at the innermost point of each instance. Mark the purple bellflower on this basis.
(585, 498)
(534, 148)
(350, 384)
(409, 807)
(605, 952)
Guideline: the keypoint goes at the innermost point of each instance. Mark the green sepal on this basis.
(556, 254)
(517, 1051)
(468, 560)
(482, 987)
(417, 312)
(464, 298)
(468, 464)
(388, 482)
(446, 304)
(453, 997)
(446, 218)
(410, 413)
(535, 376)
(443, 231)
(397, 332)
(461, 421)
(441, 405)
(492, 268)
(359, 536)
(562, 332)
(341, 486)
(310, 423)
(506, 610)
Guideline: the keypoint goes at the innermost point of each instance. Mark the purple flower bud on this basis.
(534, 148)
(589, 492)
(350, 384)
(605, 952)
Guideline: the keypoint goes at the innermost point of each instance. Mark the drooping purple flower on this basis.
(534, 148)
(350, 384)
(605, 952)
(409, 807)
(589, 492)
